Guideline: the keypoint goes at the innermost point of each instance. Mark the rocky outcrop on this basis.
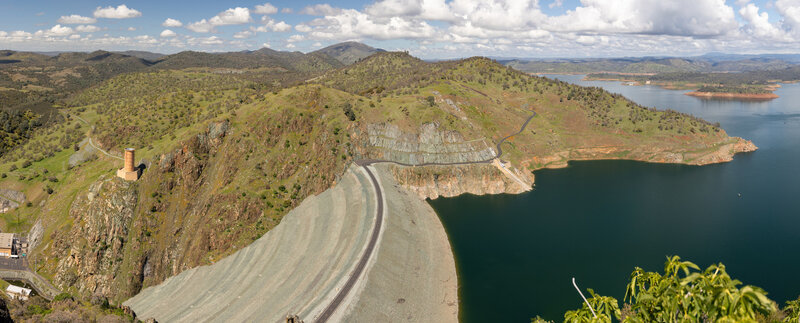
(90, 253)
(429, 145)
(446, 181)
(725, 152)
(721, 153)
(10, 199)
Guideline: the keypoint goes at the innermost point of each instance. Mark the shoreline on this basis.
(693, 87)
(720, 95)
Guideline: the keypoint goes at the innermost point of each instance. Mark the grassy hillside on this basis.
(226, 157)
(348, 52)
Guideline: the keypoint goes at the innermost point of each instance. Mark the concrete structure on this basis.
(6, 244)
(128, 172)
(299, 266)
(17, 292)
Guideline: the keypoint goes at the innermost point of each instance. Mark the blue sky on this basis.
(426, 28)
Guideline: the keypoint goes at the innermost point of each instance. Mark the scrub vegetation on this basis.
(685, 293)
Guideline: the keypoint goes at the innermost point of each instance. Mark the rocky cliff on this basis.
(447, 181)
(721, 153)
(90, 252)
(128, 234)
(430, 144)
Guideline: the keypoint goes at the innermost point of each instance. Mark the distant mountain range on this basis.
(712, 62)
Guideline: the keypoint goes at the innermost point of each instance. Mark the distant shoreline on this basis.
(759, 96)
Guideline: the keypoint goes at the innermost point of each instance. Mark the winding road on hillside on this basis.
(362, 263)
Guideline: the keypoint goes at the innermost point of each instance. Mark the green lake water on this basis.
(597, 220)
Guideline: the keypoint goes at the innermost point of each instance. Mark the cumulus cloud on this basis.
(202, 26)
(274, 25)
(87, 28)
(76, 19)
(702, 18)
(265, 9)
(233, 16)
(423, 9)
(244, 34)
(172, 23)
(352, 24)
(790, 11)
(168, 33)
(131, 28)
(120, 12)
(56, 30)
(320, 10)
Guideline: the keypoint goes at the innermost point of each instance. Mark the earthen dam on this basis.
(301, 265)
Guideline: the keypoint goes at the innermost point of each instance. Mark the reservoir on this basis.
(597, 220)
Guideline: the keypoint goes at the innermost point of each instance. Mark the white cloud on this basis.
(202, 26)
(87, 28)
(265, 9)
(56, 30)
(320, 10)
(759, 25)
(352, 24)
(232, 16)
(290, 46)
(424, 9)
(790, 11)
(277, 26)
(244, 34)
(76, 19)
(302, 28)
(701, 18)
(295, 38)
(120, 12)
(286, 10)
(168, 33)
(172, 23)
(556, 4)
(131, 28)
(75, 36)
(207, 41)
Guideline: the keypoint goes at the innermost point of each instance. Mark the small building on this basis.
(6, 244)
(16, 292)
(128, 172)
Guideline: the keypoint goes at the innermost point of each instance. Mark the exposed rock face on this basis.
(10, 199)
(723, 153)
(126, 235)
(91, 250)
(446, 181)
(35, 234)
(430, 145)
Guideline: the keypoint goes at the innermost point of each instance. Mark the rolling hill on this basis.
(227, 157)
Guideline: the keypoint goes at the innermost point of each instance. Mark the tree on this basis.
(686, 294)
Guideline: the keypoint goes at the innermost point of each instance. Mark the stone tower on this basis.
(128, 172)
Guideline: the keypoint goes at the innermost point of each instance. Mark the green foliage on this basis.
(348, 111)
(62, 296)
(605, 308)
(38, 309)
(16, 127)
(684, 293)
(739, 89)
